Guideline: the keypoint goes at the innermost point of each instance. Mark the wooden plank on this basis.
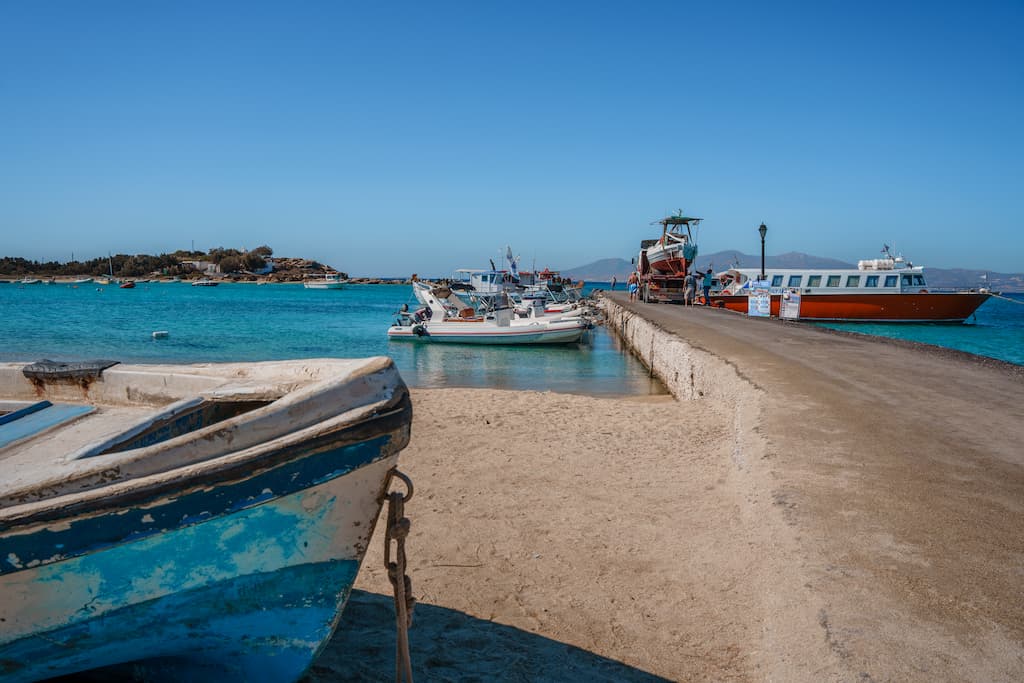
(40, 420)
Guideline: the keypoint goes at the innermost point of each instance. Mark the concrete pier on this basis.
(895, 473)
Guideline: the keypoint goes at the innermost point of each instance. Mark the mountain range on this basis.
(604, 269)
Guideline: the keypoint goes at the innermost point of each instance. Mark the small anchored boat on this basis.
(325, 281)
(187, 523)
(205, 282)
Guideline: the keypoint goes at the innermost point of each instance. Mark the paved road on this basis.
(901, 470)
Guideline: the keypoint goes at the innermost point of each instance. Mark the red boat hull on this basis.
(917, 308)
(670, 266)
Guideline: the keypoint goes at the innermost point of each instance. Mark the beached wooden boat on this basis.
(187, 523)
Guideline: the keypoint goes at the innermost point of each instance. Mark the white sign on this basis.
(789, 305)
(759, 303)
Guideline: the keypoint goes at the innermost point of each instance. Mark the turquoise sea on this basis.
(247, 322)
(997, 330)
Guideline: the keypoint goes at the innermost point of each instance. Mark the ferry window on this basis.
(919, 280)
(853, 281)
(890, 280)
(833, 281)
(907, 281)
(871, 281)
(814, 281)
(776, 280)
(794, 280)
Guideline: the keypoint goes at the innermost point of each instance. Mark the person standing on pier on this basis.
(690, 293)
(707, 286)
(633, 284)
(613, 282)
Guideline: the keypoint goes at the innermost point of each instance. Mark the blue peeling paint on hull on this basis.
(263, 627)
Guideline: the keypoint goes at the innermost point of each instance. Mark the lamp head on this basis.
(763, 229)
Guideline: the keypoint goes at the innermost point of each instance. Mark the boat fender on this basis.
(419, 330)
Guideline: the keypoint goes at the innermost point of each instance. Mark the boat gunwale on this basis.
(389, 417)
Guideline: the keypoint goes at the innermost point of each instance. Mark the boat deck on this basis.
(33, 458)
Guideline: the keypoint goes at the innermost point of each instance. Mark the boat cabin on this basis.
(868, 278)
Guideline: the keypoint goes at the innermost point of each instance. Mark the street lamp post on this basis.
(763, 229)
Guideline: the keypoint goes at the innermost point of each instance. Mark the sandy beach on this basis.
(560, 537)
(804, 518)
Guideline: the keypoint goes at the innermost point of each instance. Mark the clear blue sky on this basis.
(391, 138)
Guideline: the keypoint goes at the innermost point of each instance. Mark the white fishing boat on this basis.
(187, 523)
(445, 317)
(325, 281)
(205, 282)
(676, 247)
(81, 281)
(30, 281)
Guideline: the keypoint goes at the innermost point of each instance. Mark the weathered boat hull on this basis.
(932, 307)
(238, 574)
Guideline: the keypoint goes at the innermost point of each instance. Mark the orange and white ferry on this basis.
(886, 290)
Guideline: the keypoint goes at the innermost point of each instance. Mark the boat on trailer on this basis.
(187, 523)
(886, 290)
(671, 253)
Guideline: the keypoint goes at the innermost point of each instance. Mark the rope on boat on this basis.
(397, 530)
(1006, 298)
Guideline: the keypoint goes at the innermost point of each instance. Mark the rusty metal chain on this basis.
(397, 530)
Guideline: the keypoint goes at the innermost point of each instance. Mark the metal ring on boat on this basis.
(419, 330)
(405, 479)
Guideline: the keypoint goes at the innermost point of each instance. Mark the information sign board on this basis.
(789, 305)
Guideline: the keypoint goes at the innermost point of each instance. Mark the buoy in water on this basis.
(161, 334)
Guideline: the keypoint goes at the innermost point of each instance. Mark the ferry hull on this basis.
(892, 308)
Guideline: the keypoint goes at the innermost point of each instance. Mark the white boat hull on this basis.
(564, 332)
(323, 285)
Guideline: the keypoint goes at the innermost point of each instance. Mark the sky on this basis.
(387, 138)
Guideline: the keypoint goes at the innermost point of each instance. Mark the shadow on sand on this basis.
(447, 645)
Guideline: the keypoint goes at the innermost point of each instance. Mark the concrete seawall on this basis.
(888, 480)
(686, 371)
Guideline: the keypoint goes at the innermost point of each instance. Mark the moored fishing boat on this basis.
(205, 282)
(200, 523)
(879, 290)
(447, 318)
(325, 281)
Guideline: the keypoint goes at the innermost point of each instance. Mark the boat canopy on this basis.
(679, 220)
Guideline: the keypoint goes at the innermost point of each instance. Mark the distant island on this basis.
(232, 265)
(604, 269)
